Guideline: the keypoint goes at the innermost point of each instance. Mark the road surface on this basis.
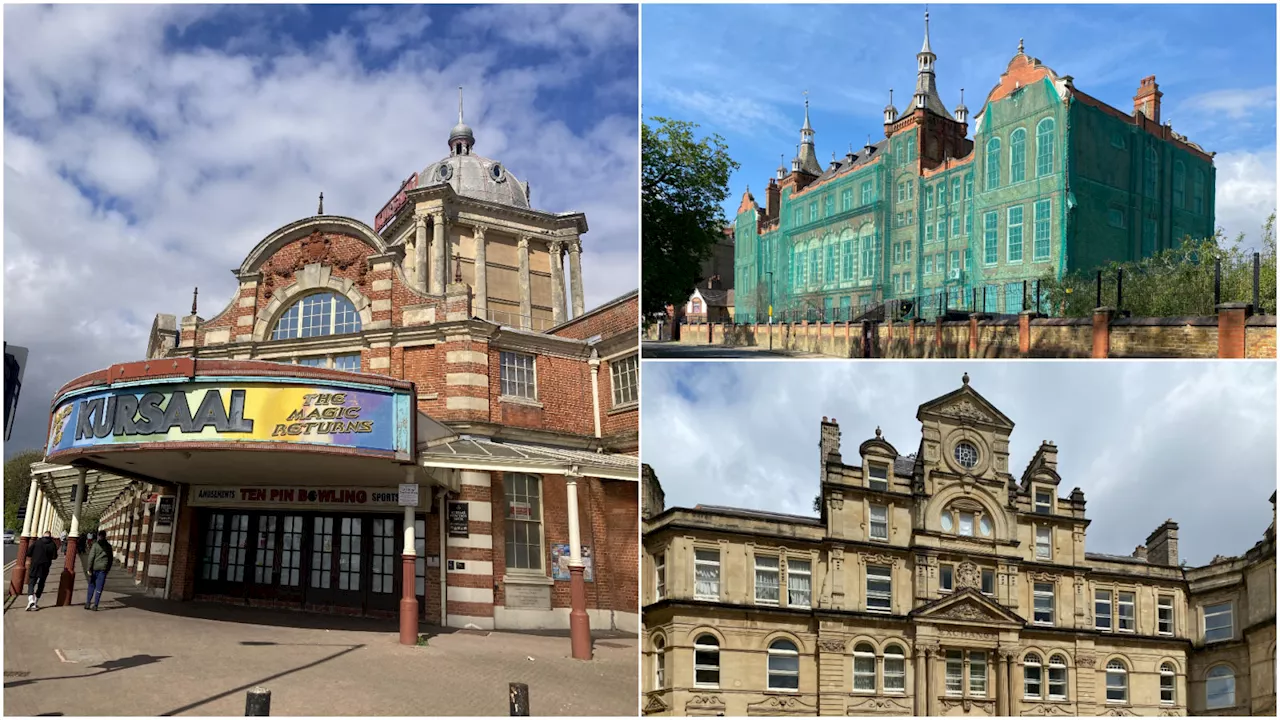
(671, 350)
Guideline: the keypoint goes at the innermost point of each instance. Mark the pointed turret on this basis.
(926, 95)
(808, 154)
(962, 112)
(461, 138)
(890, 112)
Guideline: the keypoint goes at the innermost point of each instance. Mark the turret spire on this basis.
(926, 48)
(808, 154)
(461, 139)
(926, 95)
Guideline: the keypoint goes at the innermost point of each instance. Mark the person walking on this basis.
(40, 557)
(98, 565)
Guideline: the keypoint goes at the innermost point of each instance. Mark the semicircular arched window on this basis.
(1220, 688)
(784, 665)
(317, 315)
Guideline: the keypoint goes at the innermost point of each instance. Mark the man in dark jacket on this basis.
(98, 564)
(40, 557)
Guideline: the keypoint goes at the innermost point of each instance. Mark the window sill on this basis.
(530, 578)
(516, 400)
(706, 598)
(623, 408)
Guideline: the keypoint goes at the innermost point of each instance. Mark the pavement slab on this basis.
(148, 657)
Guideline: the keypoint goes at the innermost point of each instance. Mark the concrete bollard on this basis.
(257, 702)
(519, 700)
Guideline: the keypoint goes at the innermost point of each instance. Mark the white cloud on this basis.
(134, 171)
(1245, 192)
(1234, 103)
(1145, 441)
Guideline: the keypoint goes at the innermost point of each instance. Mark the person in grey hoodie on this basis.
(40, 557)
(97, 565)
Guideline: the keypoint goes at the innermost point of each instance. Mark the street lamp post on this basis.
(770, 274)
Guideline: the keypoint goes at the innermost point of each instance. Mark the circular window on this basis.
(984, 526)
(966, 455)
(444, 172)
(946, 522)
(496, 172)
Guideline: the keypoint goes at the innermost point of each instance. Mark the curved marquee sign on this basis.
(254, 410)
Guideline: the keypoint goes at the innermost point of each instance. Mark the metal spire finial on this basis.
(194, 294)
(965, 378)
(1021, 51)
(807, 126)
(926, 48)
(459, 104)
(457, 268)
(320, 211)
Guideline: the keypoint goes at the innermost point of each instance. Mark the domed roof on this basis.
(477, 177)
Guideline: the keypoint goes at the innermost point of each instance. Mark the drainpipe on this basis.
(441, 509)
(595, 387)
(173, 540)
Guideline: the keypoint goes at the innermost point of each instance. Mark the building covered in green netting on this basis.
(1052, 181)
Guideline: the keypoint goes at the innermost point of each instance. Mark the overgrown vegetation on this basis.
(1175, 282)
(17, 481)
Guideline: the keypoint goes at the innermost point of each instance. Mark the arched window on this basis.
(864, 668)
(849, 268)
(1179, 181)
(993, 163)
(1198, 191)
(1032, 677)
(868, 237)
(1057, 678)
(706, 661)
(1219, 688)
(1045, 142)
(659, 662)
(316, 315)
(1153, 170)
(784, 665)
(967, 519)
(1018, 155)
(1117, 682)
(815, 264)
(1168, 678)
(832, 262)
(895, 669)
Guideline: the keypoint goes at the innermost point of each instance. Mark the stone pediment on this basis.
(965, 405)
(968, 605)
(775, 705)
(655, 706)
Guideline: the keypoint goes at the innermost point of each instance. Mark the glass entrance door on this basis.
(337, 561)
(225, 554)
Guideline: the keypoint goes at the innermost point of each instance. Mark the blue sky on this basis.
(1215, 65)
(149, 148)
(1134, 436)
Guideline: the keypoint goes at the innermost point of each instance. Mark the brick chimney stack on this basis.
(830, 443)
(772, 199)
(1162, 545)
(1147, 101)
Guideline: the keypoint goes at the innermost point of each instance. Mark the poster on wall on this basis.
(164, 511)
(459, 519)
(560, 562)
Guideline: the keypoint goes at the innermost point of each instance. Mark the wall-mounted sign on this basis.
(299, 498)
(164, 511)
(560, 562)
(408, 495)
(459, 519)
(253, 411)
(393, 205)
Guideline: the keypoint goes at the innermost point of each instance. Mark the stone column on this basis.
(482, 274)
(408, 599)
(1013, 706)
(931, 693)
(579, 623)
(575, 270)
(526, 303)
(1002, 684)
(556, 247)
(420, 253)
(921, 707)
(439, 271)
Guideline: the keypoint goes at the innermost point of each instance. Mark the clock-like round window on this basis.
(966, 455)
(497, 173)
(984, 526)
(444, 172)
(946, 521)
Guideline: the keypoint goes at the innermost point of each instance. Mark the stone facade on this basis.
(952, 209)
(938, 583)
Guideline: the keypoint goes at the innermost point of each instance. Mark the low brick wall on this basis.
(1228, 335)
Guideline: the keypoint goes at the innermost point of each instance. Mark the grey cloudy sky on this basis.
(149, 148)
(1146, 441)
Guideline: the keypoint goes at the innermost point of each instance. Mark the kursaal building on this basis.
(416, 418)
(1050, 181)
(942, 583)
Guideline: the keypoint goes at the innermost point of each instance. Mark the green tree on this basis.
(17, 482)
(1174, 282)
(684, 181)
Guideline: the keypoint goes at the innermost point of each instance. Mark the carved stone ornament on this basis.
(316, 248)
(965, 635)
(965, 409)
(968, 575)
(879, 705)
(1085, 660)
(1046, 710)
(1120, 712)
(880, 559)
(965, 612)
(832, 645)
(704, 701)
(1042, 577)
(655, 706)
(776, 704)
(968, 704)
(1174, 712)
